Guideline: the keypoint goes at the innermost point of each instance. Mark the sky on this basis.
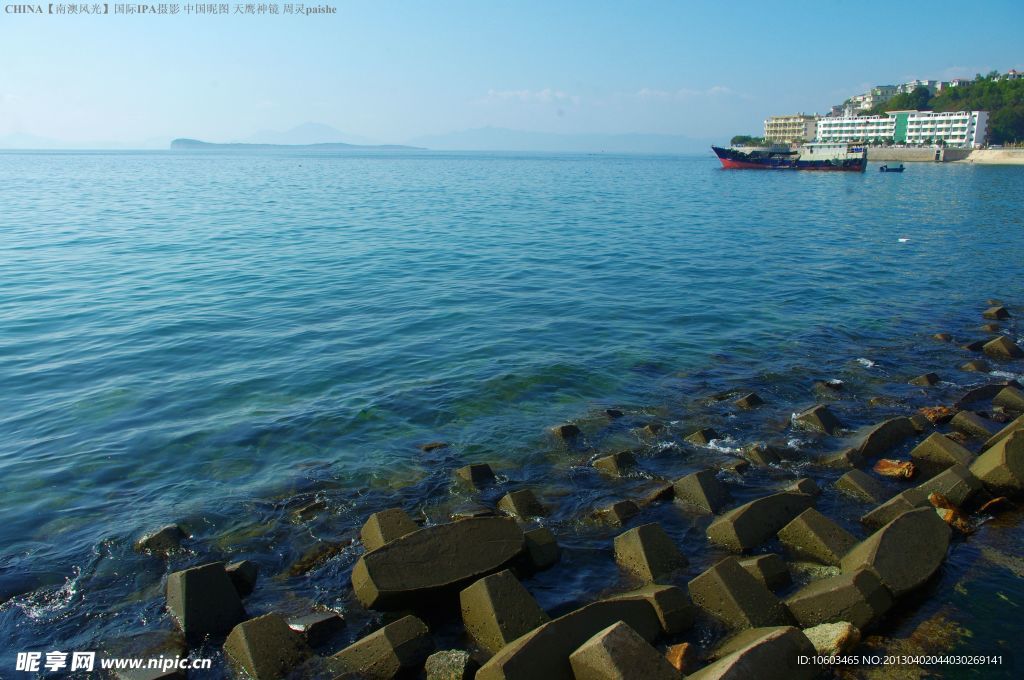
(390, 71)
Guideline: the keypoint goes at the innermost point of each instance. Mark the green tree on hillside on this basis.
(917, 100)
(1003, 99)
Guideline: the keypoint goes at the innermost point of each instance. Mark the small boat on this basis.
(811, 156)
(886, 168)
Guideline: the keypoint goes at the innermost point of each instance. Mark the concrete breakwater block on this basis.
(243, 575)
(750, 400)
(265, 648)
(163, 541)
(973, 425)
(401, 646)
(619, 653)
(541, 547)
(764, 653)
(815, 536)
(1003, 348)
(819, 418)
(435, 558)
(203, 601)
(702, 491)
(616, 464)
(858, 597)
(647, 552)
(926, 380)
(862, 485)
(938, 452)
(497, 609)
(730, 594)
(753, 523)
(544, 652)
(1001, 468)
(905, 552)
(976, 366)
(477, 475)
(703, 436)
(1012, 426)
(522, 503)
(996, 313)
(763, 455)
(956, 483)
(385, 526)
(886, 436)
(1010, 398)
(769, 569)
(671, 605)
(902, 502)
(618, 513)
(318, 627)
(450, 664)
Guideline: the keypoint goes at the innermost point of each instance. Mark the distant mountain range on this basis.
(183, 144)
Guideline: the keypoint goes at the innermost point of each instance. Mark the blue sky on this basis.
(392, 71)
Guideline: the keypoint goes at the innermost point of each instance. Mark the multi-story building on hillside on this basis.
(966, 129)
(799, 127)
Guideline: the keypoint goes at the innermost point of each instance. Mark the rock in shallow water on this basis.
(163, 541)
(435, 558)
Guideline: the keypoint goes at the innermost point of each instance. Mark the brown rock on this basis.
(243, 576)
(833, 639)
(995, 506)
(163, 541)
(949, 513)
(684, 657)
(897, 469)
(937, 414)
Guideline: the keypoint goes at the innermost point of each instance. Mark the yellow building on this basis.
(799, 127)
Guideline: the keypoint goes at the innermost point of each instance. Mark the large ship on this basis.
(812, 156)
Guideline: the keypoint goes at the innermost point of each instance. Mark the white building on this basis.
(800, 127)
(966, 129)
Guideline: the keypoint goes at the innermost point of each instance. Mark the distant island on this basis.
(183, 144)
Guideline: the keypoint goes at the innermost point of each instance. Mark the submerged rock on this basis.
(703, 436)
(265, 648)
(203, 601)
(567, 432)
(926, 380)
(163, 541)
(997, 313)
(616, 464)
(619, 653)
(398, 647)
(478, 475)
(445, 556)
(751, 400)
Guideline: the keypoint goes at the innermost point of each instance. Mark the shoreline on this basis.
(680, 544)
(931, 155)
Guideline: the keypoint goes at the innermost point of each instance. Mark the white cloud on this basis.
(545, 96)
(647, 93)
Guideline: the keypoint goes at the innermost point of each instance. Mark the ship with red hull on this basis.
(814, 156)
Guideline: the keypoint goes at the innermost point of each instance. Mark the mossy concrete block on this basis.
(750, 400)
(542, 547)
(497, 609)
(926, 380)
(996, 313)
(399, 647)
(703, 436)
(203, 601)
(753, 523)
(730, 594)
(938, 452)
(522, 503)
(317, 628)
(956, 483)
(670, 604)
(1010, 398)
(819, 418)
(702, 491)
(648, 553)
(619, 653)
(616, 464)
(163, 541)
(815, 536)
(476, 475)
(617, 513)
(1003, 348)
(385, 526)
(862, 485)
(265, 648)
(243, 575)
(973, 425)
(544, 651)
(435, 559)
(858, 597)
(1001, 468)
(450, 664)
(905, 552)
(769, 569)
(894, 507)
(764, 653)
(886, 436)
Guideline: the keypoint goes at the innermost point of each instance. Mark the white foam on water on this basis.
(903, 240)
(723, 445)
(1007, 374)
(866, 363)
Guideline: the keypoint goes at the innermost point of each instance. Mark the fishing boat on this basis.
(811, 156)
(886, 168)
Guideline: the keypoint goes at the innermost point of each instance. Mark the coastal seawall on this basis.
(916, 155)
(996, 157)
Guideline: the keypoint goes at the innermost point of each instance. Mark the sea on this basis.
(218, 339)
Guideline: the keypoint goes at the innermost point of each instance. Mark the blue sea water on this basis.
(201, 337)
